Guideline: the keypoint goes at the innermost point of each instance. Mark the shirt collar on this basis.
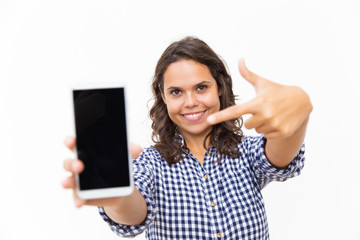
(180, 139)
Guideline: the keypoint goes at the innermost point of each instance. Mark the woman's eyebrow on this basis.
(203, 82)
(196, 85)
(173, 88)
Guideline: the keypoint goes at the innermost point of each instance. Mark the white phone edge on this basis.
(103, 192)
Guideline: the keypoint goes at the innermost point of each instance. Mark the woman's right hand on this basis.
(75, 166)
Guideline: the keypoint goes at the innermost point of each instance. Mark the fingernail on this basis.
(67, 141)
(211, 119)
(78, 203)
(64, 183)
(74, 167)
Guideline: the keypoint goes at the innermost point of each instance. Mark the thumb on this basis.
(249, 76)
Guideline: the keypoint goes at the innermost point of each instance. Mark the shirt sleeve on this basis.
(264, 171)
(143, 180)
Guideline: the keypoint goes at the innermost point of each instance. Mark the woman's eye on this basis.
(175, 92)
(202, 87)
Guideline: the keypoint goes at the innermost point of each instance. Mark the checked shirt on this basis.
(216, 200)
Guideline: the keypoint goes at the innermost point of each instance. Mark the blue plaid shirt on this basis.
(216, 200)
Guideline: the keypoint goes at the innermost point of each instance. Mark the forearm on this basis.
(280, 152)
(131, 210)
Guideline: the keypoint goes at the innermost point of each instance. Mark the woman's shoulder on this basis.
(249, 139)
(251, 142)
(150, 155)
(150, 150)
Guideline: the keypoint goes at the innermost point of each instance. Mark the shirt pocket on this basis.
(239, 190)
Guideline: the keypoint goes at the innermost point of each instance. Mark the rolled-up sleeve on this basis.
(143, 180)
(264, 171)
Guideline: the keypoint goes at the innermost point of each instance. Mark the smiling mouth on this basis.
(194, 116)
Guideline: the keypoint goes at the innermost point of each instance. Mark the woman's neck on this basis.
(196, 146)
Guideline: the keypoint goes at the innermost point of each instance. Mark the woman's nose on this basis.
(190, 100)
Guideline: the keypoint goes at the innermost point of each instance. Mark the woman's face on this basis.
(191, 95)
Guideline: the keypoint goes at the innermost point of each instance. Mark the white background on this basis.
(48, 46)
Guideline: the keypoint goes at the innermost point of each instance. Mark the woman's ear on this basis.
(162, 94)
(219, 91)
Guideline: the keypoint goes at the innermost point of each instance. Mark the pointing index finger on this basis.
(232, 112)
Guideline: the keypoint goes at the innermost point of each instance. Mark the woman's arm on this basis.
(130, 210)
(280, 112)
(280, 152)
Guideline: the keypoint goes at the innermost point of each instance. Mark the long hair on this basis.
(223, 136)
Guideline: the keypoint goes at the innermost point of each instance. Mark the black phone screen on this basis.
(101, 142)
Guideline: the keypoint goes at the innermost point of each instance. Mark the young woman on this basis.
(202, 178)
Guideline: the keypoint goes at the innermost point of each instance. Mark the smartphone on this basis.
(102, 142)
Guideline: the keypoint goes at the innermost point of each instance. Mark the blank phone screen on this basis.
(101, 142)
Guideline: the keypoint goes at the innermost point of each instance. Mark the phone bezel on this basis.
(104, 192)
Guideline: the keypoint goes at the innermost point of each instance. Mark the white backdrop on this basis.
(47, 46)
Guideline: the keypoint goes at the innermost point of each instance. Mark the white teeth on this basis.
(195, 115)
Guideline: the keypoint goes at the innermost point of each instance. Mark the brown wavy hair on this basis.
(223, 136)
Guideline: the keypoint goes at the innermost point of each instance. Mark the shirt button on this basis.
(206, 176)
(219, 235)
(213, 204)
(209, 152)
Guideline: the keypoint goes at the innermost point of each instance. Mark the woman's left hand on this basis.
(277, 110)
